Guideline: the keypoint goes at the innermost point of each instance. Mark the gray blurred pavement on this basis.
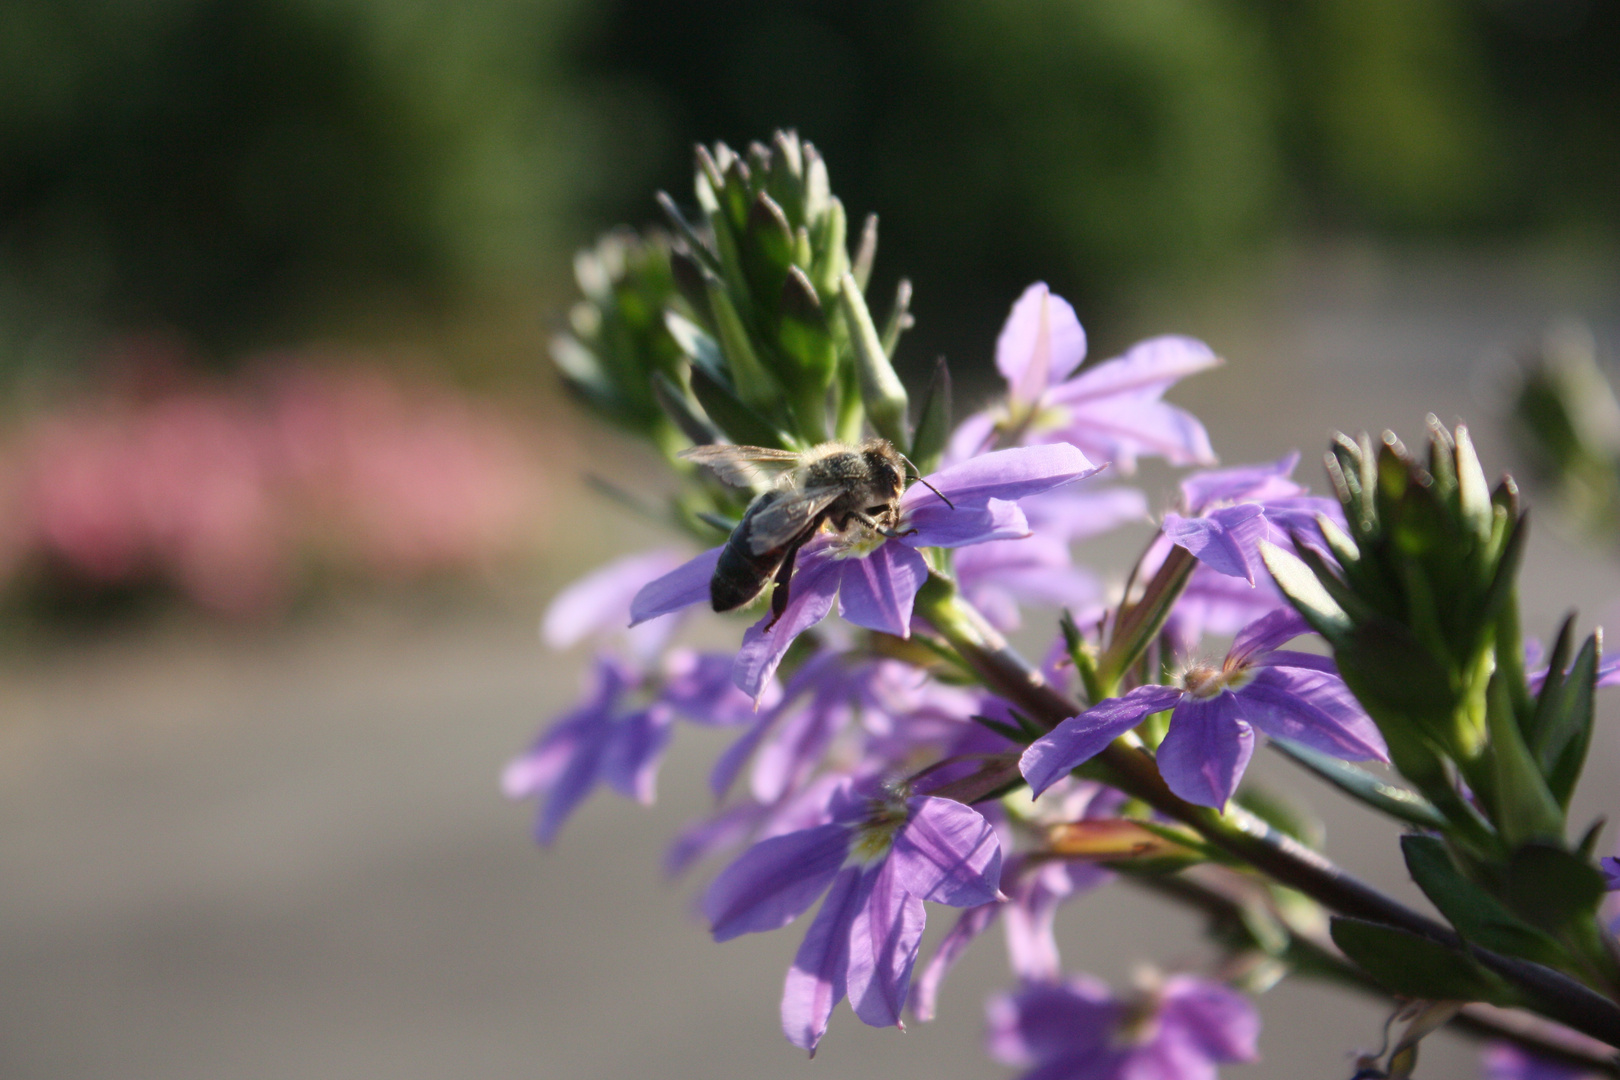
(238, 856)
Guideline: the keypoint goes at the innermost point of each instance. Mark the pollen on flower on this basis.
(1203, 681)
(875, 836)
(857, 542)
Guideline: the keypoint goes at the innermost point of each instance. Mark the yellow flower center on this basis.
(875, 836)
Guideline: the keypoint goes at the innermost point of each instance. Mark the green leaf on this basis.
(803, 330)
(1297, 582)
(1475, 913)
(1363, 786)
(1524, 807)
(1414, 966)
(740, 423)
(754, 382)
(683, 411)
(702, 349)
(1551, 888)
(881, 390)
(933, 421)
(1562, 728)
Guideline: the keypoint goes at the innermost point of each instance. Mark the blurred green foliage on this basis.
(240, 170)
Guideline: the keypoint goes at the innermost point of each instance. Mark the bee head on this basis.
(887, 467)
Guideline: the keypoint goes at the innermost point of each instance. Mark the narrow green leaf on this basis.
(1551, 888)
(754, 382)
(899, 320)
(1414, 966)
(832, 258)
(1361, 785)
(1564, 714)
(1524, 806)
(1297, 582)
(741, 424)
(933, 421)
(866, 253)
(881, 390)
(685, 412)
(700, 348)
(1475, 913)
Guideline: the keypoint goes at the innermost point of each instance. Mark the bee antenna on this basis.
(918, 476)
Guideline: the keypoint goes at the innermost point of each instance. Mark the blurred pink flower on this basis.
(226, 491)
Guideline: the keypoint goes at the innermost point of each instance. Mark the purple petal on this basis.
(1255, 483)
(1611, 872)
(939, 525)
(794, 749)
(682, 587)
(1148, 368)
(1040, 343)
(1114, 412)
(974, 921)
(730, 762)
(698, 686)
(701, 839)
(816, 981)
(813, 588)
(1072, 514)
(630, 761)
(1032, 950)
(1505, 1061)
(947, 853)
(1608, 671)
(1206, 750)
(1313, 707)
(1048, 1021)
(1004, 474)
(1083, 737)
(1219, 1021)
(1224, 540)
(878, 591)
(601, 600)
(971, 438)
(883, 940)
(773, 882)
(1266, 633)
(587, 745)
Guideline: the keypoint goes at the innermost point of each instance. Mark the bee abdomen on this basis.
(741, 575)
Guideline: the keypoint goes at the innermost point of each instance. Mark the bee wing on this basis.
(743, 466)
(790, 515)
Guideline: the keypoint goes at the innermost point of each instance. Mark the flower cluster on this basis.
(902, 754)
(229, 493)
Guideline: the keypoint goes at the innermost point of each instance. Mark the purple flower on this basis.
(1232, 510)
(599, 604)
(619, 733)
(600, 741)
(1112, 411)
(1506, 1061)
(874, 579)
(1035, 889)
(998, 576)
(877, 860)
(1077, 1030)
(1288, 694)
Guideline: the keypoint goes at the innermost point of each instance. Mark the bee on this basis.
(833, 484)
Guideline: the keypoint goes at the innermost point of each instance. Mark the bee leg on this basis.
(779, 595)
(878, 527)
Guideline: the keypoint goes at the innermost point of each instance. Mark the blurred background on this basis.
(286, 475)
